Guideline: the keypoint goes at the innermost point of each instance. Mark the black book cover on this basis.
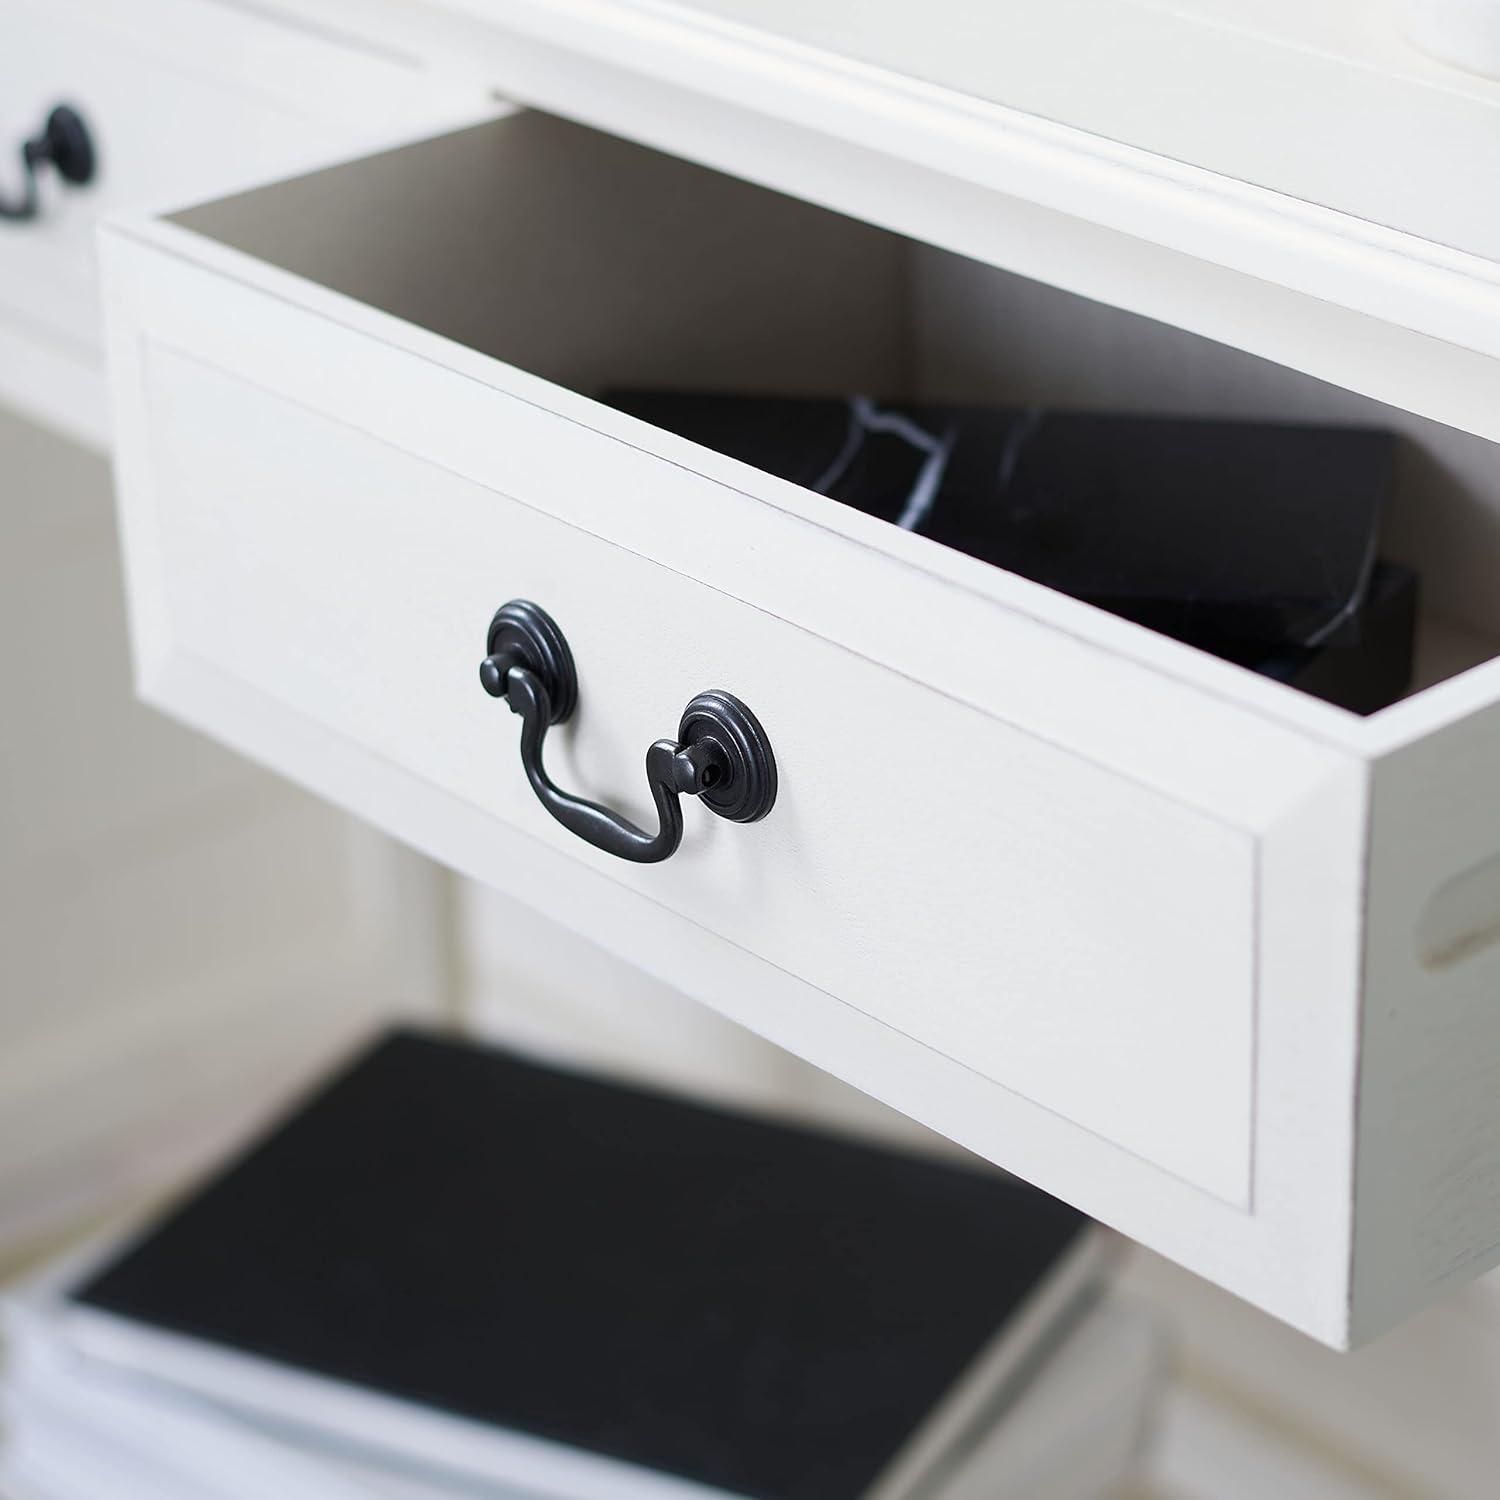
(756, 1307)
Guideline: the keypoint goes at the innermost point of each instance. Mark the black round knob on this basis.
(66, 145)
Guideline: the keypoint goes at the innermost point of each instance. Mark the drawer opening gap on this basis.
(632, 276)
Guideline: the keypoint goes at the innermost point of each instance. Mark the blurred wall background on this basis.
(182, 935)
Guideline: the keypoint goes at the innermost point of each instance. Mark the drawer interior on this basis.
(595, 264)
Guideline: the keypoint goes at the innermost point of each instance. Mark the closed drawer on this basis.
(1092, 902)
(183, 99)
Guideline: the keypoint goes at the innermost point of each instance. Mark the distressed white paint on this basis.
(1156, 965)
(1117, 947)
(990, 895)
(184, 101)
(1110, 941)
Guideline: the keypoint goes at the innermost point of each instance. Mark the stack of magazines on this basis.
(454, 1272)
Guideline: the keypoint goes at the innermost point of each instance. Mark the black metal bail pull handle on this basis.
(721, 754)
(65, 144)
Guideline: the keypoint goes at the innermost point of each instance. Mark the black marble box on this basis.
(1256, 541)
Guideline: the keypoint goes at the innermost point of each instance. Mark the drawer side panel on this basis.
(1427, 1187)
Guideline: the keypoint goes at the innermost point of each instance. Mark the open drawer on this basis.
(1205, 956)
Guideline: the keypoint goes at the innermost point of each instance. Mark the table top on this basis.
(1322, 100)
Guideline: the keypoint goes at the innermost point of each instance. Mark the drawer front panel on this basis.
(183, 100)
(1061, 929)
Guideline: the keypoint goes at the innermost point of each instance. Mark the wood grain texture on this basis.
(1049, 924)
(1427, 1196)
(1046, 950)
(1115, 944)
